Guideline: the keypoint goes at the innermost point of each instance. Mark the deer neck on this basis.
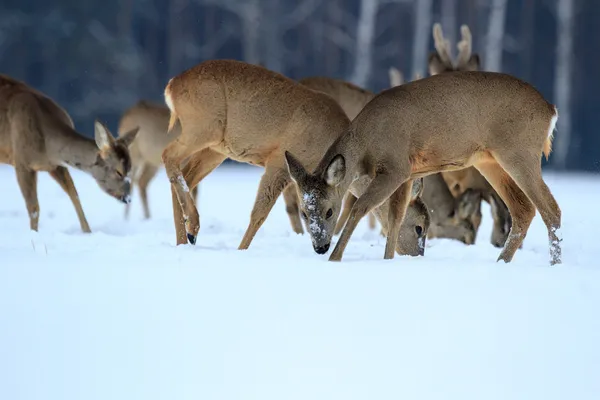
(67, 146)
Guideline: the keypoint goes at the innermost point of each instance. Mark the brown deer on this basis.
(450, 218)
(36, 134)
(440, 61)
(232, 109)
(497, 123)
(146, 150)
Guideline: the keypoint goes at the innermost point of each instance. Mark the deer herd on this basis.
(419, 157)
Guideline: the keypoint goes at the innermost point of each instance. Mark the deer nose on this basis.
(322, 249)
(191, 238)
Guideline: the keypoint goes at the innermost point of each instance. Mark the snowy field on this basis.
(125, 314)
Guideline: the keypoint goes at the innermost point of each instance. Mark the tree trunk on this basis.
(251, 32)
(495, 36)
(421, 38)
(562, 81)
(365, 36)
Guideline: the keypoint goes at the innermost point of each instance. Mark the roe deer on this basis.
(462, 180)
(455, 217)
(146, 150)
(447, 221)
(233, 109)
(36, 134)
(495, 122)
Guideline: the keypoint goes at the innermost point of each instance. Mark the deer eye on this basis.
(329, 213)
(419, 230)
(304, 215)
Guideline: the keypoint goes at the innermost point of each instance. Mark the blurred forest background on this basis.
(97, 58)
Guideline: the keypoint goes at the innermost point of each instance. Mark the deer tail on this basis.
(168, 99)
(548, 142)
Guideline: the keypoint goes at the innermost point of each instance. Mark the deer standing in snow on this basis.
(495, 122)
(450, 217)
(440, 62)
(36, 134)
(146, 149)
(231, 109)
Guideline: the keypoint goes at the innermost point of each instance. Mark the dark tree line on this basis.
(98, 58)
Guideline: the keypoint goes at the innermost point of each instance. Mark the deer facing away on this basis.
(450, 218)
(146, 150)
(245, 112)
(496, 123)
(460, 181)
(36, 134)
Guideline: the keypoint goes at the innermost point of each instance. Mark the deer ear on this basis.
(395, 75)
(417, 188)
(336, 170)
(128, 137)
(104, 139)
(474, 63)
(295, 168)
(469, 203)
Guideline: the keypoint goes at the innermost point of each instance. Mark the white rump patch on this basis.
(168, 96)
(553, 123)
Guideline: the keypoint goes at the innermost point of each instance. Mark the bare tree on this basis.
(495, 36)
(422, 34)
(365, 36)
(562, 80)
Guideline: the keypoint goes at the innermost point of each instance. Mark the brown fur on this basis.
(468, 179)
(231, 109)
(495, 122)
(447, 221)
(36, 134)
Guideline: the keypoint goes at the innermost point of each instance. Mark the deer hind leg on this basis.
(398, 203)
(27, 180)
(526, 170)
(349, 201)
(197, 168)
(519, 205)
(148, 172)
(272, 183)
(372, 221)
(62, 176)
(291, 208)
(382, 186)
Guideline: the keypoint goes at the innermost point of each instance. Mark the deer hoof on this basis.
(191, 238)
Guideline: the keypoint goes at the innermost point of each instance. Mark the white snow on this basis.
(123, 313)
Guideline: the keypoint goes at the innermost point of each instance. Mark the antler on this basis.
(442, 46)
(396, 78)
(464, 46)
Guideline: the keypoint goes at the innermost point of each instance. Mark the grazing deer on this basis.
(232, 109)
(447, 219)
(440, 61)
(146, 150)
(497, 123)
(36, 134)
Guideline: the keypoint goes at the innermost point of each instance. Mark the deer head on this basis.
(113, 163)
(440, 60)
(321, 196)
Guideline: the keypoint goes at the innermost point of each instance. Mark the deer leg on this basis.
(398, 203)
(148, 172)
(197, 168)
(62, 176)
(380, 189)
(519, 206)
(349, 201)
(272, 183)
(372, 221)
(291, 207)
(134, 173)
(195, 194)
(27, 180)
(526, 171)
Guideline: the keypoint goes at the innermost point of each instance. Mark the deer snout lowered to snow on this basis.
(497, 123)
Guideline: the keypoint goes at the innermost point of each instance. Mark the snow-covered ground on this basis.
(125, 314)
